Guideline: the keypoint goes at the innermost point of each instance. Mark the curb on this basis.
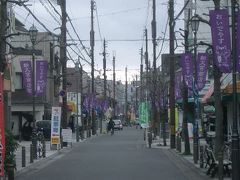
(40, 163)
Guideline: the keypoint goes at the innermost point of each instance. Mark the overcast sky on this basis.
(120, 22)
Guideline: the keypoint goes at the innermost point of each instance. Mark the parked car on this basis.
(45, 127)
(118, 124)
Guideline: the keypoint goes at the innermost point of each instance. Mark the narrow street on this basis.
(123, 156)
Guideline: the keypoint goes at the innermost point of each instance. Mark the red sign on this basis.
(2, 132)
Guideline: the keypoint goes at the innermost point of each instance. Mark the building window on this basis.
(18, 81)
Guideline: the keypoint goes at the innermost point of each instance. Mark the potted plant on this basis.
(10, 161)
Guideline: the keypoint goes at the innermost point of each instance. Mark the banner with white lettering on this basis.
(187, 69)
(219, 21)
(202, 67)
(26, 67)
(41, 76)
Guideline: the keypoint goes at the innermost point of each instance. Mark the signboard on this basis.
(72, 101)
(26, 67)
(219, 21)
(41, 76)
(55, 125)
(144, 114)
(67, 135)
(2, 133)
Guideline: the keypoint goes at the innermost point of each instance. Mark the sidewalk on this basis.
(187, 158)
(49, 153)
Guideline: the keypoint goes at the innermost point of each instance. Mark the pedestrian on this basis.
(111, 126)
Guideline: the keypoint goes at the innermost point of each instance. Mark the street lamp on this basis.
(33, 36)
(195, 25)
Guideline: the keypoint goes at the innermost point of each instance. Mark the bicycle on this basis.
(40, 144)
(112, 131)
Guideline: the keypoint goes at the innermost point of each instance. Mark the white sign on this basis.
(67, 135)
(55, 125)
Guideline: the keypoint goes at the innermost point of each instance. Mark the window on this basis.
(18, 82)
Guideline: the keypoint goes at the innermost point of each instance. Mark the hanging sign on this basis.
(2, 132)
(238, 42)
(187, 69)
(219, 22)
(41, 76)
(202, 67)
(178, 81)
(144, 114)
(26, 67)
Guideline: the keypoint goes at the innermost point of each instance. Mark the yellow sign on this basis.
(55, 140)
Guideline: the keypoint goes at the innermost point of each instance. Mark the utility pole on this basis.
(172, 75)
(146, 61)
(154, 32)
(3, 32)
(104, 70)
(114, 84)
(63, 60)
(104, 76)
(136, 95)
(235, 134)
(185, 94)
(126, 97)
(141, 75)
(92, 43)
(3, 62)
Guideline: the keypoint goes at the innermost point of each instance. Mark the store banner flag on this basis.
(26, 67)
(219, 22)
(202, 67)
(187, 69)
(238, 42)
(144, 114)
(178, 81)
(2, 131)
(41, 77)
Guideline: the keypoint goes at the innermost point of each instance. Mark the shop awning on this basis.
(229, 88)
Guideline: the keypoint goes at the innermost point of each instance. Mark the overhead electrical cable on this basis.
(49, 12)
(78, 37)
(98, 23)
(163, 39)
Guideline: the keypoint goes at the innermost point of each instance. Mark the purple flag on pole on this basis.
(187, 69)
(26, 67)
(178, 81)
(238, 42)
(202, 67)
(41, 76)
(221, 39)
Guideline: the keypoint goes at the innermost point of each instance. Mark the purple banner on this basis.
(202, 67)
(26, 67)
(178, 81)
(41, 76)
(219, 22)
(238, 42)
(187, 69)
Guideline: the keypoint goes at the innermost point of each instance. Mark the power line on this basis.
(78, 37)
(49, 12)
(33, 15)
(99, 31)
(165, 32)
(54, 8)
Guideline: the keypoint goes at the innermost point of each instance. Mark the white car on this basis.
(118, 124)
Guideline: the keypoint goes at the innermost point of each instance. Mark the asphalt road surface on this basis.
(123, 156)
